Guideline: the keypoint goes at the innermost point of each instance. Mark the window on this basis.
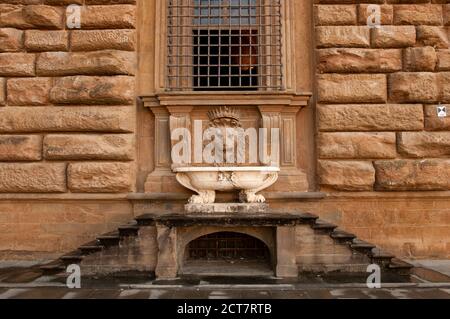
(217, 45)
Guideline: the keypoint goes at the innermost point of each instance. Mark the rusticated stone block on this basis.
(414, 87)
(66, 119)
(90, 40)
(42, 16)
(20, 148)
(433, 36)
(414, 175)
(433, 122)
(420, 59)
(2, 91)
(355, 88)
(89, 147)
(374, 117)
(393, 36)
(10, 40)
(108, 17)
(108, 62)
(93, 90)
(17, 64)
(100, 177)
(335, 14)
(443, 60)
(357, 145)
(32, 178)
(29, 91)
(387, 14)
(418, 14)
(347, 175)
(343, 36)
(359, 60)
(424, 144)
(39, 40)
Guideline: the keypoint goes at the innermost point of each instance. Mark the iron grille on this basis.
(227, 245)
(224, 45)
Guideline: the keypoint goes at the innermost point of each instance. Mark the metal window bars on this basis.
(224, 45)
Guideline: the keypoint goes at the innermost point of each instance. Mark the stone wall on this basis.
(68, 124)
(66, 97)
(377, 92)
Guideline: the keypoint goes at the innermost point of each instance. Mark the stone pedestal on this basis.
(226, 208)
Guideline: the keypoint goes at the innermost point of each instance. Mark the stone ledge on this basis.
(233, 208)
(272, 219)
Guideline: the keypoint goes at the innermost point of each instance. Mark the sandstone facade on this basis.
(69, 133)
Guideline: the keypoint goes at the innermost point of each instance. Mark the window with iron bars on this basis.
(224, 45)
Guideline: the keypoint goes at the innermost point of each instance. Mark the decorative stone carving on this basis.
(206, 180)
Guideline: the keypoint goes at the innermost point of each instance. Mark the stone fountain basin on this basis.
(207, 180)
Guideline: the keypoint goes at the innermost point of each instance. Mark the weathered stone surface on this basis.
(89, 147)
(393, 36)
(110, 62)
(433, 36)
(357, 145)
(433, 122)
(10, 40)
(29, 91)
(2, 91)
(17, 64)
(387, 14)
(32, 178)
(93, 90)
(347, 176)
(66, 119)
(400, 175)
(359, 60)
(414, 87)
(443, 60)
(357, 88)
(108, 17)
(89, 40)
(418, 14)
(226, 208)
(424, 144)
(100, 177)
(378, 117)
(42, 16)
(420, 59)
(12, 16)
(20, 148)
(335, 14)
(343, 36)
(38, 40)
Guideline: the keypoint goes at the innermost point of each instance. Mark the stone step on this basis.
(110, 239)
(91, 248)
(342, 236)
(74, 257)
(128, 230)
(145, 220)
(397, 264)
(53, 267)
(323, 225)
(362, 246)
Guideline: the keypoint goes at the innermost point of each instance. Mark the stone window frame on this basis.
(160, 111)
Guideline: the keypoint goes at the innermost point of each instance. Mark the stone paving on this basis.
(204, 293)
(24, 281)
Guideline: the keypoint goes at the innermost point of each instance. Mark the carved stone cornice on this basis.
(220, 98)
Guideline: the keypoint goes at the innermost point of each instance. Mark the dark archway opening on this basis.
(227, 253)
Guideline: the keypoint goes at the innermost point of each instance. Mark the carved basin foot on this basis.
(205, 181)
